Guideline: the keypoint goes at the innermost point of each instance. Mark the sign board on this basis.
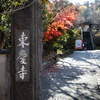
(78, 44)
(22, 55)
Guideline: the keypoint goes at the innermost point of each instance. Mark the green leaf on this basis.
(21, 0)
(1, 28)
(27, 0)
(16, 3)
(12, 2)
(20, 3)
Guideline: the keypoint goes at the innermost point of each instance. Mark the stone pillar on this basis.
(27, 52)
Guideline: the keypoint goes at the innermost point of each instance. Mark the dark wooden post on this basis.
(90, 25)
(27, 52)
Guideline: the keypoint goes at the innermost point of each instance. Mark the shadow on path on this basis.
(71, 79)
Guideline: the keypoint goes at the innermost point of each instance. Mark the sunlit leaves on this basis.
(62, 21)
(16, 3)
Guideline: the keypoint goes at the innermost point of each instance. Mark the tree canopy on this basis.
(8, 7)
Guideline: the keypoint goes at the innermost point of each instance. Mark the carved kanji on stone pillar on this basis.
(27, 52)
(23, 55)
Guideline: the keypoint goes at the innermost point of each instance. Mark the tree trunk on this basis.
(3, 42)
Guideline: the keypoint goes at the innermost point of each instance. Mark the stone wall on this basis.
(4, 77)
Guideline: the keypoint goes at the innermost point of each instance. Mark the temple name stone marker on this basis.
(23, 55)
(27, 46)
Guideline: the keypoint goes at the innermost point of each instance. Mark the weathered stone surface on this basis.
(8, 76)
(5, 80)
(28, 19)
(2, 77)
(5, 77)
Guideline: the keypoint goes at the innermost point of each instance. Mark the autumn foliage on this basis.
(62, 21)
(57, 22)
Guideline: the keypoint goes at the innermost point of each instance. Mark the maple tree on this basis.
(62, 21)
(56, 25)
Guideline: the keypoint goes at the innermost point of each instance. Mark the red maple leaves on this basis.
(62, 21)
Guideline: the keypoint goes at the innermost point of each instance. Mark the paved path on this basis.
(75, 77)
